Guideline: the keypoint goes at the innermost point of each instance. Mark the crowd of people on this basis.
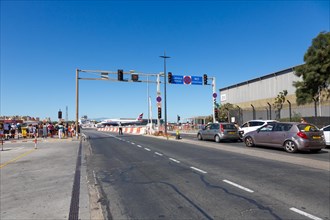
(37, 130)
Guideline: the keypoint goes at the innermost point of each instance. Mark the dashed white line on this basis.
(199, 170)
(147, 149)
(159, 154)
(133, 143)
(139, 146)
(174, 160)
(238, 186)
(305, 214)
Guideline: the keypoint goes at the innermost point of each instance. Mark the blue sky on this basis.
(44, 42)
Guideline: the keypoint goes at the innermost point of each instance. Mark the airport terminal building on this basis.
(255, 98)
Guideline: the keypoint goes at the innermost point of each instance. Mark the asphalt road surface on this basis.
(153, 178)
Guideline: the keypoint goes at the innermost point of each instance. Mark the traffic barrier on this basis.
(130, 130)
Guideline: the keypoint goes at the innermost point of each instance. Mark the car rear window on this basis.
(307, 127)
(229, 126)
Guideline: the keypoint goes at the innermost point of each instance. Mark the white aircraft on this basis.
(122, 121)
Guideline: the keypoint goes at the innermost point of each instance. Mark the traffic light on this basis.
(120, 75)
(135, 77)
(216, 114)
(59, 114)
(205, 79)
(178, 118)
(169, 77)
(159, 112)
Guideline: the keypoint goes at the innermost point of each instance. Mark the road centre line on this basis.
(139, 146)
(238, 186)
(147, 149)
(133, 143)
(305, 214)
(199, 170)
(16, 158)
(159, 154)
(174, 160)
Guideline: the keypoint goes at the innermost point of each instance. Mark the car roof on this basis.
(260, 120)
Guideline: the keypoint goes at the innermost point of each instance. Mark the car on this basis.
(292, 136)
(218, 132)
(252, 125)
(326, 133)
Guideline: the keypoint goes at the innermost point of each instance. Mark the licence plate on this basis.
(232, 132)
(316, 137)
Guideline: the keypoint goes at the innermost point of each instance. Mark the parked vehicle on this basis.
(252, 125)
(291, 136)
(326, 133)
(218, 132)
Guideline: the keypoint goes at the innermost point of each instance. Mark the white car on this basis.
(326, 132)
(252, 125)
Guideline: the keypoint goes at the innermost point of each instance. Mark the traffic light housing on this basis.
(159, 113)
(59, 114)
(120, 75)
(216, 113)
(169, 77)
(179, 118)
(205, 79)
(135, 77)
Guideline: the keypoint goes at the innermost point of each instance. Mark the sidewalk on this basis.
(38, 183)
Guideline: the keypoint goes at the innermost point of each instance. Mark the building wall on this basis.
(261, 93)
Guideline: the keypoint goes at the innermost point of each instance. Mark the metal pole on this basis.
(270, 111)
(289, 109)
(213, 98)
(165, 105)
(158, 95)
(77, 101)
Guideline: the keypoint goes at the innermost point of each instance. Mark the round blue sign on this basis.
(159, 99)
(215, 95)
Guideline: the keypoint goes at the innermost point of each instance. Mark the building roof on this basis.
(285, 71)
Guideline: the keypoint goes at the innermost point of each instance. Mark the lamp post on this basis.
(165, 107)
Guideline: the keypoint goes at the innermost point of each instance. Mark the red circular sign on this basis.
(187, 79)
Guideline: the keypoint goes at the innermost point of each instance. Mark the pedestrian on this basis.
(302, 120)
(44, 131)
(60, 130)
(50, 129)
(120, 129)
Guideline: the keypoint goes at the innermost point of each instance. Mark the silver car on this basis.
(218, 132)
(291, 136)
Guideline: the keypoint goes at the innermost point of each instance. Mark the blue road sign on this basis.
(176, 79)
(196, 80)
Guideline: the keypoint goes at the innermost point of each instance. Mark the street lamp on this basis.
(165, 107)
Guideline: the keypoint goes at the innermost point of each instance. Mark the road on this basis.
(153, 178)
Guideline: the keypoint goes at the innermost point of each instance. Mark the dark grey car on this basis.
(291, 136)
(219, 132)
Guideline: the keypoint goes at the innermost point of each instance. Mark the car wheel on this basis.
(249, 141)
(290, 147)
(199, 137)
(217, 139)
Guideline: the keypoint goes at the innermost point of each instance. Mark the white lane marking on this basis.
(238, 186)
(199, 170)
(139, 146)
(305, 214)
(159, 154)
(174, 160)
(147, 149)
(133, 143)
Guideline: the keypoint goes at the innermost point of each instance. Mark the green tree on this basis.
(224, 112)
(278, 104)
(315, 73)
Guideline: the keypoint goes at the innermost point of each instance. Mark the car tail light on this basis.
(302, 135)
(221, 128)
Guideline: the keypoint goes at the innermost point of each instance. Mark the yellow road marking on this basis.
(16, 158)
